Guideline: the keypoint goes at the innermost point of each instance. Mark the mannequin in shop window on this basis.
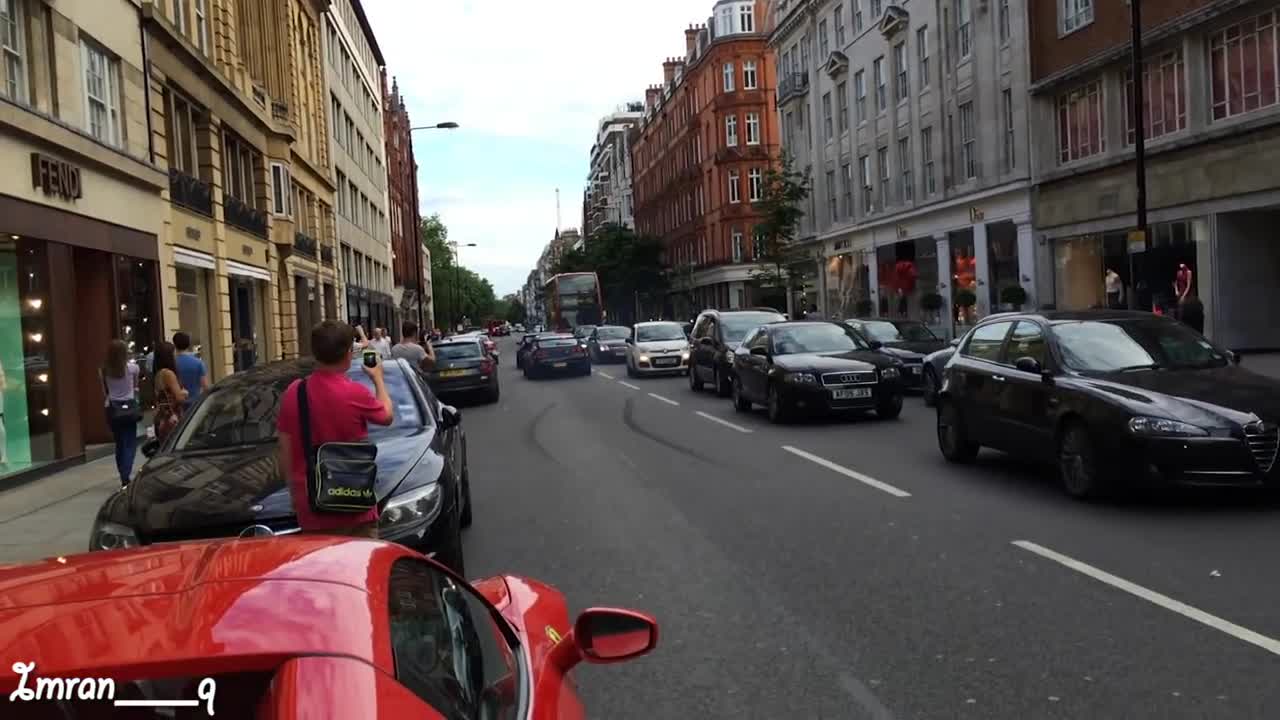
(1182, 284)
(906, 274)
(1115, 289)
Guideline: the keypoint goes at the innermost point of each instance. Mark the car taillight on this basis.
(486, 366)
(582, 349)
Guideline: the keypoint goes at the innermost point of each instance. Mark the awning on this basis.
(192, 258)
(249, 271)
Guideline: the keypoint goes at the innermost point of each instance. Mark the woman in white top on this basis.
(120, 382)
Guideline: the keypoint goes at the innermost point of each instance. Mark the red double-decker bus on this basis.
(573, 299)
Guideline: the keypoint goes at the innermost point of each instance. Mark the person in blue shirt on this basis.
(192, 372)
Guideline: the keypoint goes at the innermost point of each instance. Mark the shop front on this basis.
(847, 283)
(249, 294)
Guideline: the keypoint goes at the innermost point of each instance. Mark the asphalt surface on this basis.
(856, 574)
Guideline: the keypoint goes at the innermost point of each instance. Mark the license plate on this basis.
(915, 369)
(668, 362)
(559, 365)
(853, 394)
(452, 373)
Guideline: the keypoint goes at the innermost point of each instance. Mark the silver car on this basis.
(658, 347)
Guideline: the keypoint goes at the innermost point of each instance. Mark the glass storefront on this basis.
(26, 393)
(248, 321)
(137, 321)
(1108, 270)
(193, 307)
(964, 279)
(1002, 263)
(849, 286)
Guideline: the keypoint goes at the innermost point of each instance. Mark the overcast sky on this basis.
(528, 82)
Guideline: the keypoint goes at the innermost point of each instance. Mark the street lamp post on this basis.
(1139, 140)
(417, 230)
(457, 279)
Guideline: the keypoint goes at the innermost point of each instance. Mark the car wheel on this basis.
(778, 412)
(451, 554)
(890, 408)
(465, 519)
(953, 440)
(720, 384)
(1077, 463)
(694, 383)
(930, 386)
(740, 403)
(493, 393)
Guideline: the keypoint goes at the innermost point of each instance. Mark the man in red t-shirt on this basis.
(340, 412)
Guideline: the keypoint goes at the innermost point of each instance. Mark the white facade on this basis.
(608, 196)
(916, 142)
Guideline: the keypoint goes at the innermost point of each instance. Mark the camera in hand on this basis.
(370, 358)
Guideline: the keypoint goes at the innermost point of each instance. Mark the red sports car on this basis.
(293, 627)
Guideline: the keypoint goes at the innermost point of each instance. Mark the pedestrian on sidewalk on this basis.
(192, 372)
(411, 348)
(348, 408)
(120, 386)
(170, 395)
(381, 342)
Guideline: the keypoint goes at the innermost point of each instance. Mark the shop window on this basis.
(193, 307)
(1244, 66)
(27, 421)
(137, 319)
(964, 278)
(1002, 261)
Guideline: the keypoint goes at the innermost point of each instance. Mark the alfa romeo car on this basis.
(299, 627)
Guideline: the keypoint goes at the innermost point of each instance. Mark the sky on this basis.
(528, 83)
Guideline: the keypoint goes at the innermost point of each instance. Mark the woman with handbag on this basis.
(170, 394)
(120, 386)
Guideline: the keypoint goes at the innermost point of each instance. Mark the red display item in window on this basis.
(905, 276)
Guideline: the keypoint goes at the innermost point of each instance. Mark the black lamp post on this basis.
(417, 230)
(1139, 138)
(457, 280)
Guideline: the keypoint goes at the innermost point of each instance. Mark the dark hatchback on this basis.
(1113, 398)
(814, 367)
(716, 334)
(464, 367)
(907, 340)
(559, 353)
(608, 343)
(216, 474)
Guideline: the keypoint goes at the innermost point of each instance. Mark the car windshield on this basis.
(458, 351)
(1110, 346)
(583, 330)
(245, 413)
(914, 332)
(613, 333)
(659, 333)
(735, 326)
(822, 338)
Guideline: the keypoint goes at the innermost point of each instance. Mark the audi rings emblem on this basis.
(257, 531)
(848, 378)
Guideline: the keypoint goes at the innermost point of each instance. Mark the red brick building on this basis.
(1211, 80)
(410, 263)
(699, 156)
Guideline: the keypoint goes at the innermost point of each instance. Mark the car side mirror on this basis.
(955, 342)
(875, 344)
(609, 635)
(1027, 365)
(1234, 357)
(151, 447)
(450, 416)
(763, 352)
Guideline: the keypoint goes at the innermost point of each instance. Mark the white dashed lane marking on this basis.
(725, 423)
(864, 479)
(604, 374)
(668, 401)
(627, 384)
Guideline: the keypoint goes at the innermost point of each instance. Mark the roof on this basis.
(368, 32)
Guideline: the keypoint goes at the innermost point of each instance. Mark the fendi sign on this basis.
(55, 177)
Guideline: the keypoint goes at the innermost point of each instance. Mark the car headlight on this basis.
(801, 377)
(411, 508)
(644, 358)
(112, 536)
(1162, 427)
(889, 373)
(684, 355)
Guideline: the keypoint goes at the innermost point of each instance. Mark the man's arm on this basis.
(428, 362)
(381, 397)
(204, 377)
(283, 458)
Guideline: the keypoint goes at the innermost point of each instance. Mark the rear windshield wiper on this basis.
(1144, 366)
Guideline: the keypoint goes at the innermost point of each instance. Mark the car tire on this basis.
(451, 554)
(779, 414)
(1078, 469)
(695, 384)
(930, 393)
(953, 440)
(720, 385)
(465, 519)
(740, 403)
(493, 394)
(891, 408)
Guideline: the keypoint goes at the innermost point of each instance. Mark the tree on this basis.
(629, 266)
(784, 193)
(457, 292)
(513, 310)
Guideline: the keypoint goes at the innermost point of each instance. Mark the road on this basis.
(840, 569)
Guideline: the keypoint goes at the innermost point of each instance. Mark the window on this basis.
(1003, 19)
(335, 112)
(842, 104)
(1244, 68)
(1164, 84)
(735, 241)
(857, 16)
(837, 19)
(238, 169)
(755, 184)
(864, 175)
(342, 194)
(281, 190)
(728, 77)
(180, 133)
(964, 40)
(1006, 98)
(824, 48)
(731, 131)
(860, 95)
(922, 55)
(1075, 14)
(444, 637)
(968, 142)
(826, 115)
(101, 93)
(986, 341)
(1080, 123)
(753, 128)
(900, 68)
(882, 161)
(1027, 340)
(180, 15)
(907, 189)
(881, 94)
(877, 7)
(833, 212)
(846, 187)
(724, 23)
(749, 81)
(735, 191)
(746, 15)
(13, 69)
(926, 158)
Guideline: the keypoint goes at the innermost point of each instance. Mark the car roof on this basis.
(799, 323)
(1058, 316)
(741, 311)
(662, 322)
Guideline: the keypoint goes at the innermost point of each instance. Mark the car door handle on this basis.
(998, 378)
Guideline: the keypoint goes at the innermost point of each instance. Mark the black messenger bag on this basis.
(340, 475)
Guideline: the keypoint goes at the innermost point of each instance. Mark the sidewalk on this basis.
(54, 515)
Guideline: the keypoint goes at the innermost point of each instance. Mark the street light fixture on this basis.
(438, 126)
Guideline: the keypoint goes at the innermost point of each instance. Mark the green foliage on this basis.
(1013, 295)
(515, 310)
(785, 192)
(932, 302)
(966, 298)
(456, 291)
(629, 265)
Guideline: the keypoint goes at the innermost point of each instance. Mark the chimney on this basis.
(669, 71)
(690, 40)
(650, 98)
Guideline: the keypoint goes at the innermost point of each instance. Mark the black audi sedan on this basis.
(809, 367)
(463, 367)
(556, 353)
(216, 474)
(907, 340)
(1112, 398)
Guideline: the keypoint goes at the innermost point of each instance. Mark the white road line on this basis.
(725, 423)
(668, 401)
(623, 383)
(864, 479)
(1240, 633)
(604, 374)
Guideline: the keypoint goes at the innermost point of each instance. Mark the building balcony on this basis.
(237, 214)
(742, 153)
(792, 85)
(326, 255)
(304, 244)
(280, 110)
(739, 97)
(190, 192)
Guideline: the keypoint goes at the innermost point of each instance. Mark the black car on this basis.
(608, 343)
(557, 353)
(216, 475)
(525, 348)
(464, 367)
(582, 332)
(1111, 397)
(907, 340)
(716, 334)
(814, 367)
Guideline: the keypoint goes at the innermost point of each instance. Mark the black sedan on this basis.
(814, 367)
(463, 367)
(1112, 398)
(608, 343)
(907, 340)
(557, 353)
(216, 475)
